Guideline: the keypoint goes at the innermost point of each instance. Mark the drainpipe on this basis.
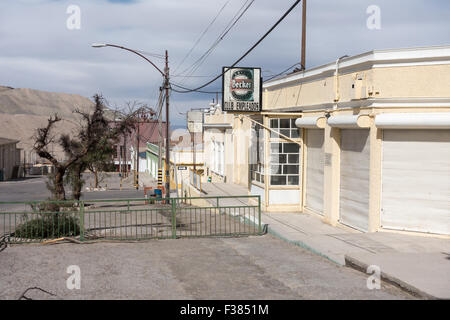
(336, 75)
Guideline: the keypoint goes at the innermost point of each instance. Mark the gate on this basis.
(129, 219)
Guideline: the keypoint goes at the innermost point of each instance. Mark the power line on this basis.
(213, 47)
(194, 67)
(248, 51)
(282, 72)
(162, 98)
(201, 36)
(178, 76)
(184, 88)
(155, 55)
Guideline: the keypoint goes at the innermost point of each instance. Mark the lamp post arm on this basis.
(135, 52)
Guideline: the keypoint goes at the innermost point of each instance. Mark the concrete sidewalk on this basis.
(419, 264)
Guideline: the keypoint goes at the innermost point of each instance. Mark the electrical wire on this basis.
(155, 55)
(179, 76)
(162, 98)
(201, 36)
(248, 51)
(184, 88)
(194, 67)
(208, 53)
(282, 72)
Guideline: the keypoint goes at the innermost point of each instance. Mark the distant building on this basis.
(181, 157)
(125, 149)
(9, 159)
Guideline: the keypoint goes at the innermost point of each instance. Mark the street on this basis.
(210, 268)
(213, 268)
(33, 188)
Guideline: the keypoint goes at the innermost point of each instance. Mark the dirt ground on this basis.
(259, 267)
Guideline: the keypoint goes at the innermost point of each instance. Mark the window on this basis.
(257, 153)
(284, 155)
(218, 157)
(286, 127)
(221, 158)
(284, 163)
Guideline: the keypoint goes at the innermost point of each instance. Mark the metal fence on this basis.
(130, 219)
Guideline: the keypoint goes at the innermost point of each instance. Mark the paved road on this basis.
(228, 268)
(34, 189)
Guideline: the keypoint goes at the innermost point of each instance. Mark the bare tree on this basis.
(94, 128)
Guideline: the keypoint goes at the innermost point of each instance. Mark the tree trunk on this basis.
(77, 183)
(59, 192)
(95, 178)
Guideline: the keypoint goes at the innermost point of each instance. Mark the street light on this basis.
(98, 45)
(165, 74)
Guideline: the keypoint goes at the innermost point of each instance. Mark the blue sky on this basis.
(38, 51)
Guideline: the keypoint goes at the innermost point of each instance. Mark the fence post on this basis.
(259, 214)
(174, 219)
(81, 220)
(217, 206)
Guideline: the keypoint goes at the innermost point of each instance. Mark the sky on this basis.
(39, 50)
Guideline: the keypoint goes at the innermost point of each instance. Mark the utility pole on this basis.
(125, 155)
(303, 58)
(160, 138)
(194, 158)
(167, 128)
(137, 155)
(24, 157)
(120, 161)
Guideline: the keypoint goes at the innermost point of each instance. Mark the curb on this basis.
(300, 244)
(361, 266)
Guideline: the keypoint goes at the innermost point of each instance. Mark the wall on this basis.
(9, 157)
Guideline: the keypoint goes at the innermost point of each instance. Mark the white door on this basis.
(314, 170)
(416, 180)
(354, 187)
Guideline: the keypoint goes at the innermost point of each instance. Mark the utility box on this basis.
(359, 90)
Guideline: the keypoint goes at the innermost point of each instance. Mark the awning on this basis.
(311, 122)
(429, 120)
(350, 121)
(217, 126)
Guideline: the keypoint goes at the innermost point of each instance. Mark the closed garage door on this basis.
(354, 188)
(314, 170)
(416, 180)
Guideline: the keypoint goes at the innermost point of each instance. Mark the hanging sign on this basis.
(242, 90)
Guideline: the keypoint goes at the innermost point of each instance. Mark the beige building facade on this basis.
(363, 142)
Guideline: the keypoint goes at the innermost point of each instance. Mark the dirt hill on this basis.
(22, 111)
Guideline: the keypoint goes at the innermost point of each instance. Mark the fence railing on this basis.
(130, 219)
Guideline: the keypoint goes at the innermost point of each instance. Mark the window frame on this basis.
(257, 170)
(280, 152)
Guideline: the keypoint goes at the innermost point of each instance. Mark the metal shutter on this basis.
(354, 185)
(416, 180)
(314, 170)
